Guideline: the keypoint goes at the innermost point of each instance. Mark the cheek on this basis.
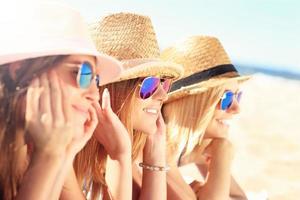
(216, 130)
(137, 115)
(211, 128)
(141, 120)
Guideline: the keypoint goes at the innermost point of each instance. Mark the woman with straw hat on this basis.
(137, 98)
(49, 69)
(199, 107)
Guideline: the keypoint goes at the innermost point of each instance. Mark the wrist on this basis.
(155, 160)
(124, 158)
(43, 157)
(154, 167)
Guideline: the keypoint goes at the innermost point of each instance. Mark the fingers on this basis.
(106, 99)
(44, 103)
(66, 105)
(92, 123)
(56, 98)
(196, 186)
(160, 124)
(32, 100)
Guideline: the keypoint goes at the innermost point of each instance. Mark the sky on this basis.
(260, 33)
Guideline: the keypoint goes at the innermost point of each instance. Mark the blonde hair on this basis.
(187, 119)
(91, 161)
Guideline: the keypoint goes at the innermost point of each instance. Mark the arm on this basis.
(119, 177)
(197, 157)
(218, 181)
(49, 124)
(154, 183)
(42, 117)
(35, 183)
(236, 192)
(71, 188)
(112, 134)
(177, 188)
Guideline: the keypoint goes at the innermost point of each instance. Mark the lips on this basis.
(81, 109)
(224, 122)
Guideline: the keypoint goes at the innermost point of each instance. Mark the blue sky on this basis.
(257, 32)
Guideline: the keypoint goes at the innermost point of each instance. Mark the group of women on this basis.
(102, 113)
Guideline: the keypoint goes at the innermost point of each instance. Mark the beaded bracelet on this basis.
(154, 168)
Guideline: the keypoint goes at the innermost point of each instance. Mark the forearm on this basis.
(119, 177)
(236, 192)
(70, 189)
(40, 177)
(177, 188)
(217, 185)
(154, 183)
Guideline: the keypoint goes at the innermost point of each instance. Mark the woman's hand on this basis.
(219, 150)
(49, 117)
(219, 155)
(110, 131)
(155, 148)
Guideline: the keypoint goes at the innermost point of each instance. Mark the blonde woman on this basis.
(49, 73)
(137, 98)
(199, 106)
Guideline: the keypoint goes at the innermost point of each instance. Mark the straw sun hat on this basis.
(32, 29)
(205, 63)
(131, 39)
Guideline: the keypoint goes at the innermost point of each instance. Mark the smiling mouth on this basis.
(81, 110)
(224, 122)
(151, 111)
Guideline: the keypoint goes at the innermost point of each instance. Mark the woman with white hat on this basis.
(137, 98)
(49, 73)
(198, 108)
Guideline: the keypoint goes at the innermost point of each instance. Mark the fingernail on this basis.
(105, 93)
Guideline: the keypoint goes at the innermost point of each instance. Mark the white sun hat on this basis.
(31, 29)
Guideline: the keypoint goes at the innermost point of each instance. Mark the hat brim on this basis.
(154, 68)
(109, 68)
(201, 87)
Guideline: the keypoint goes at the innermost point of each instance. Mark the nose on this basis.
(235, 107)
(92, 93)
(160, 94)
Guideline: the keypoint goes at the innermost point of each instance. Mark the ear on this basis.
(13, 67)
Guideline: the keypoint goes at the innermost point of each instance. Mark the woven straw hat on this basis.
(205, 63)
(32, 29)
(131, 39)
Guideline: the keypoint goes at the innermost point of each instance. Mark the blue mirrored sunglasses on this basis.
(150, 85)
(85, 76)
(227, 99)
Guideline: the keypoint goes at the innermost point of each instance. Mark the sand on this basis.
(266, 136)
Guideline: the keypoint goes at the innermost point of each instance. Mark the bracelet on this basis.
(154, 168)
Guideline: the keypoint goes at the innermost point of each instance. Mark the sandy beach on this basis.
(266, 136)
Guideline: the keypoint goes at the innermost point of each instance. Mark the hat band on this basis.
(202, 76)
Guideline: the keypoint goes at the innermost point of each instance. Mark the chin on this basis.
(147, 130)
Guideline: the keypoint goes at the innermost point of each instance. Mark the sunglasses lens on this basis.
(166, 84)
(227, 100)
(85, 75)
(149, 86)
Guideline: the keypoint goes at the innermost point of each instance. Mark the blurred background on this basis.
(261, 38)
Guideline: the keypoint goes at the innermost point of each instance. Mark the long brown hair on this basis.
(12, 119)
(90, 162)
